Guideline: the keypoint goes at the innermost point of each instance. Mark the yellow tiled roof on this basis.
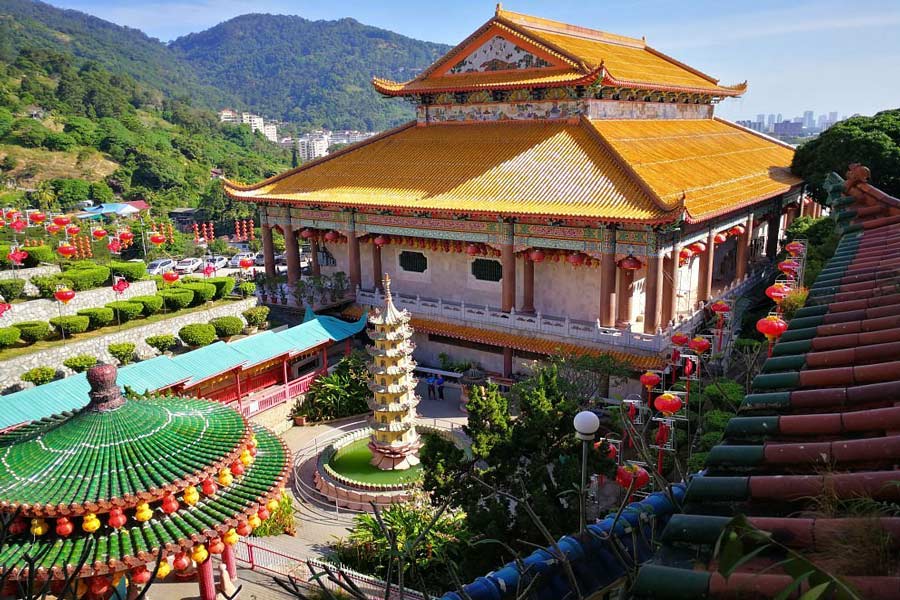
(516, 167)
(518, 342)
(715, 165)
(583, 54)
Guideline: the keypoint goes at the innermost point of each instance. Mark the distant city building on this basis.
(312, 146)
(226, 115)
(770, 122)
(789, 128)
(270, 131)
(808, 119)
(256, 123)
(832, 118)
(779, 118)
(761, 118)
(754, 125)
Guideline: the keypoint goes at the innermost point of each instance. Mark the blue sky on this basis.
(819, 55)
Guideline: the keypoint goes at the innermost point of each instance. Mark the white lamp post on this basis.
(586, 425)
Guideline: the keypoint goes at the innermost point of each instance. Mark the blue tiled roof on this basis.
(194, 366)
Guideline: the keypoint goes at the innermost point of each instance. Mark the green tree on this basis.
(489, 422)
(29, 133)
(101, 192)
(69, 192)
(44, 196)
(295, 160)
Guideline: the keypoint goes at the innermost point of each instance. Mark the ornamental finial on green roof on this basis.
(105, 394)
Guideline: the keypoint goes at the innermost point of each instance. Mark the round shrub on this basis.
(151, 304)
(38, 255)
(256, 316)
(697, 461)
(710, 439)
(46, 284)
(80, 362)
(39, 375)
(122, 352)
(11, 288)
(176, 298)
(33, 331)
(227, 326)
(8, 336)
(162, 343)
(203, 292)
(197, 334)
(723, 394)
(716, 420)
(71, 324)
(132, 271)
(99, 317)
(86, 275)
(224, 286)
(246, 288)
(126, 310)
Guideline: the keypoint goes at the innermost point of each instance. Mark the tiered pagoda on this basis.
(394, 440)
(560, 188)
(123, 488)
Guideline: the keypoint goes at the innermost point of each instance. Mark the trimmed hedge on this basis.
(256, 316)
(71, 324)
(203, 292)
(227, 326)
(38, 255)
(122, 352)
(86, 275)
(125, 310)
(197, 334)
(151, 304)
(39, 375)
(33, 331)
(80, 362)
(11, 288)
(162, 342)
(8, 336)
(176, 298)
(99, 317)
(132, 271)
(46, 284)
(246, 288)
(224, 286)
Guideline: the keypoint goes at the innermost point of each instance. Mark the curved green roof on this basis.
(145, 447)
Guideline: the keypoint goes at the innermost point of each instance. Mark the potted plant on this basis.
(299, 293)
(298, 413)
(282, 294)
(339, 286)
(256, 318)
(314, 290)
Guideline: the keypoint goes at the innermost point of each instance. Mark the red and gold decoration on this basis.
(157, 238)
(17, 256)
(630, 263)
(64, 294)
(795, 248)
(66, 250)
(720, 308)
(170, 276)
(772, 326)
(37, 218)
(777, 292)
(632, 477)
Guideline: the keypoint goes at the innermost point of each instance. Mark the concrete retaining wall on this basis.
(10, 370)
(44, 309)
(27, 274)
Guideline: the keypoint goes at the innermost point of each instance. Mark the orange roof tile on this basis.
(519, 342)
(550, 168)
(714, 165)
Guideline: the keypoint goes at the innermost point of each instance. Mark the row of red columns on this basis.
(206, 574)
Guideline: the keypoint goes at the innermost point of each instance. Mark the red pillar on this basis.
(773, 234)
(268, 250)
(324, 360)
(670, 287)
(508, 284)
(528, 291)
(743, 249)
(229, 560)
(292, 254)
(206, 579)
(608, 289)
(377, 273)
(237, 381)
(704, 286)
(653, 294)
(284, 370)
(355, 267)
(347, 347)
(507, 361)
(624, 297)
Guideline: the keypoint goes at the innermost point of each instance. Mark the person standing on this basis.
(430, 380)
(440, 387)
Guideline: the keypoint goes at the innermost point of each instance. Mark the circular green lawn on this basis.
(352, 461)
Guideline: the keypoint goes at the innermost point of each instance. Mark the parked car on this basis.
(160, 266)
(281, 259)
(218, 262)
(188, 265)
(235, 262)
(260, 260)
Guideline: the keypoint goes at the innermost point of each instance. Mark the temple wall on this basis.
(44, 309)
(563, 290)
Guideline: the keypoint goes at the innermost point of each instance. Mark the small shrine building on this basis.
(560, 187)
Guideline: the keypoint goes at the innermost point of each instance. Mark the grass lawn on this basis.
(352, 462)
(23, 348)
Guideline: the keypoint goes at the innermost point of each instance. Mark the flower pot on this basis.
(250, 329)
(299, 420)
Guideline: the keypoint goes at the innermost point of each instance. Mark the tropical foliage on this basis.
(341, 393)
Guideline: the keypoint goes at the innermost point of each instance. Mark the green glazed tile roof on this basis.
(209, 360)
(142, 446)
(137, 543)
(262, 347)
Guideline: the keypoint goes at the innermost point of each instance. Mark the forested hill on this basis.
(25, 24)
(310, 72)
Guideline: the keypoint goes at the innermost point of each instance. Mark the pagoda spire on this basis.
(394, 440)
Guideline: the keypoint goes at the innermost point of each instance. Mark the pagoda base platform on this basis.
(388, 462)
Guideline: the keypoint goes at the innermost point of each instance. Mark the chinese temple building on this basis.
(121, 487)
(394, 440)
(560, 187)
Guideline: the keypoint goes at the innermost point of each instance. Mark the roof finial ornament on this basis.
(105, 394)
(498, 9)
(386, 282)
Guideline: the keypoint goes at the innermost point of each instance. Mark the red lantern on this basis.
(64, 295)
(2, 223)
(67, 250)
(64, 527)
(117, 518)
(626, 474)
(120, 285)
(4, 306)
(237, 468)
(737, 230)
(114, 246)
(307, 233)
(472, 250)
(772, 327)
(140, 575)
(61, 221)
(216, 546)
(37, 218)
(680, 339)
(699, 345)
(331, 236)
(17, 256)
(720, 238)
(244, 529)
(53, 228)
(73, 230)
(263, 513)
(650, 380)
(380, 240)
(170, 276)
(246, 263)
(18, 225)
(181, 561)
(126, 236)
(719, 307)
(630, 263)
(99, 585)
(794, 248)
(698, 247)
(11, 215)
(611, 452)
(575, 259)
(688, 367)
(169, 504)
(18, 526)
(209, 487)
(685, 255)
(536, 255)
(777, 292)
(157, 239)
(668, 404)
(789, 267)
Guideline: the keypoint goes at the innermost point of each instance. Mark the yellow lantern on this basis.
(39, 527)
(91, 523)
(163, 569)
(225, 477)
(199, 553)
(272, 505)
(246, 458)
(143, 512)
(254, 521)
(230, 537)
(191, 495)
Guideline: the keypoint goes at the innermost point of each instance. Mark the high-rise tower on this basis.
(394, 441)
